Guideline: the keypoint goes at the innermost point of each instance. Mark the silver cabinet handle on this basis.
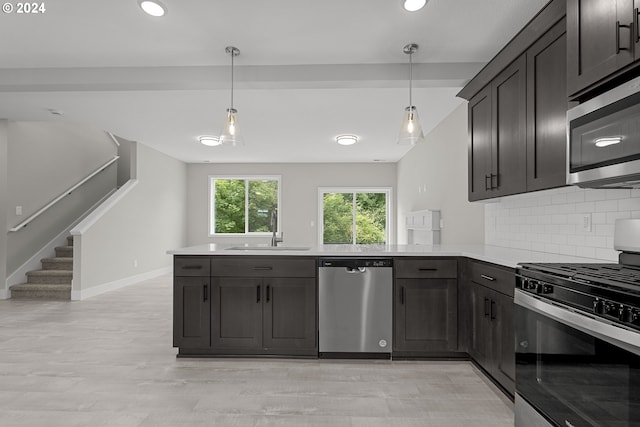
(488, 277)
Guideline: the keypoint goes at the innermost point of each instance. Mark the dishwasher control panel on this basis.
(356, 262)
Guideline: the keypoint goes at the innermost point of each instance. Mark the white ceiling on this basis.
(308, 70)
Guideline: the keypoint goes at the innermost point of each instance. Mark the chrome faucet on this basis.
(274, 238)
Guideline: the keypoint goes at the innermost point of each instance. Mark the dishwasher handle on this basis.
(355, 270)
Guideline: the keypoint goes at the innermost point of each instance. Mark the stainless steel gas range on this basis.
(578, 340)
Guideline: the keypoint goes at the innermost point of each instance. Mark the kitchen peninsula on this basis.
(248, 300)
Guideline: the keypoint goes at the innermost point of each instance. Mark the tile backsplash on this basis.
(567, 220)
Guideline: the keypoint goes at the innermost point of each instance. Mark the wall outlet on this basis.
(135, 263)
(18, 210)
(586, 222)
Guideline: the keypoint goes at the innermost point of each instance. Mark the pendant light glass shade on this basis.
(411, 130)
(230, 134)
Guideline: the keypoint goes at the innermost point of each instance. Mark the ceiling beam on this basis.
(425, 75)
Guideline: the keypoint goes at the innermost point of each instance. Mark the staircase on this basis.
(53, 282)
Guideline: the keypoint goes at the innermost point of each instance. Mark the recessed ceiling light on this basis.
(153, 8)
(413, 5)
(211, 141)
(346, 139)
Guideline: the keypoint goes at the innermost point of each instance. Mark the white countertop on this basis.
(507, 257)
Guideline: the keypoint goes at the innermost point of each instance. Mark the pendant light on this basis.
(230, 134)
(411, 131)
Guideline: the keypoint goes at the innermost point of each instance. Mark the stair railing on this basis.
(62, 196)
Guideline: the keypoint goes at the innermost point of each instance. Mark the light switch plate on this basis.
(18, 210)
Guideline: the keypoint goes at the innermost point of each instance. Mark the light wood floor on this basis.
(108, 361)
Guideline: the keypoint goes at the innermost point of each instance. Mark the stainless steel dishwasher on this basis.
(355, 307)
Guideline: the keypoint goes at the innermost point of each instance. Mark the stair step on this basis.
(64, 251)
(57, 263)
(43, 291)
(50, 276)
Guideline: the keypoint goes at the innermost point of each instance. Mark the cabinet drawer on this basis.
(261, 266)
(412, 268)
(500, 279)
(191, 266)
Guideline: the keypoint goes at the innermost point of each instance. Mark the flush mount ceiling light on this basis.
(606, 141)
(411, 131)
(413, 5)
(346, 139)
(230, 133)
(153, 8)
(209, 140)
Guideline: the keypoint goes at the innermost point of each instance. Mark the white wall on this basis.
(299, 193)
(552, 221)
(433, 175)
(44, 160)
(131, 239)
(3, 207)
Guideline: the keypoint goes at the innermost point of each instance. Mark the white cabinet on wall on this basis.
(423, 227)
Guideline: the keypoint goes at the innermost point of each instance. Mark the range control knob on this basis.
(598, 306)
(624, 314)
(545, 289)
(634, 316)
(611, 309)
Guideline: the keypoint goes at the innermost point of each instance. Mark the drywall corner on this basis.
(4, 291)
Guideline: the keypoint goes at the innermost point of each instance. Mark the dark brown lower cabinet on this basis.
(191, 312)
(237, 313)
(289, 315)
(488, 323)
(425, 307)
(264, 316)
(426, 315)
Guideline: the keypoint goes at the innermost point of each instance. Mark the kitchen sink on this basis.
(269, 248)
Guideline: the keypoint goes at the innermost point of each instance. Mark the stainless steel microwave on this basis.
(603, 135)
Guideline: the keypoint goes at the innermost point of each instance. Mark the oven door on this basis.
(573, 369)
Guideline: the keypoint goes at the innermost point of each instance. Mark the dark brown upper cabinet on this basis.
(480, 136)
(517, 136)
(603, 44)
(546, 110)
(497, 137)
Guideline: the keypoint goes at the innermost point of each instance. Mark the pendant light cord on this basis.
(232, 55)
(410, 79)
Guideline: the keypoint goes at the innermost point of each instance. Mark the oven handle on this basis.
(613, 334)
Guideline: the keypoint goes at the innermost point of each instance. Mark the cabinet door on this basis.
(508, 144)
(546, 111)
(191, 312)
(290, 314)
(480, 145)
(503, 341)
(599, 40)
(481, 337)
(426, 315)
(237, 313)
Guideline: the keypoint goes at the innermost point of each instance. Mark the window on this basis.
(243, 205)
(354, 216)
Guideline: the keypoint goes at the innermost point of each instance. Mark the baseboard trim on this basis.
(117, 284)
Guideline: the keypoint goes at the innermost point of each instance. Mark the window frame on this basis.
(247, 179)
(388, 191)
